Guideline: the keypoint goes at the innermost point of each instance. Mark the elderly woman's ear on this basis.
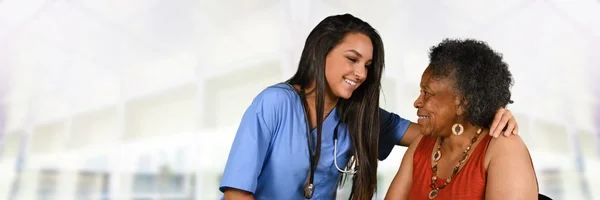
(461, 104)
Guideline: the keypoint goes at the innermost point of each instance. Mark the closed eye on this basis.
(351, 59)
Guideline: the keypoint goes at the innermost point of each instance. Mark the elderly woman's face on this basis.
(436, 106)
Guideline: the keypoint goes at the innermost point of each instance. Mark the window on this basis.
(90, 185)
(552, 183)
(47, 184)
(165, 185)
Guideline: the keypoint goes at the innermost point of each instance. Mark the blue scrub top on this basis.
(270, 158)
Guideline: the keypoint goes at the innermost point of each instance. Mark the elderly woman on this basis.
(454, 157)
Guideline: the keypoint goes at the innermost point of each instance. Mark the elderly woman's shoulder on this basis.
(503, 142)
(507, 148)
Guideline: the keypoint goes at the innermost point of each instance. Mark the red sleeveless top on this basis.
(469, 183)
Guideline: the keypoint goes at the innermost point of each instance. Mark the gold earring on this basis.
(458, 128)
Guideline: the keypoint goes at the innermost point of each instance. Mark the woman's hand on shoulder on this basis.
(504, 119)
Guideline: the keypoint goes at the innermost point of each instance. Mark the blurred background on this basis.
(140, 99)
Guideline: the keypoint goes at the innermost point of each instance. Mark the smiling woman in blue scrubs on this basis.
(282, 150)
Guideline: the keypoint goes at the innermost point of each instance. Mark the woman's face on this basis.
(346, 64)
(436, 106)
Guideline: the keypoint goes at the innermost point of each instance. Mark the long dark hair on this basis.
(361, 111)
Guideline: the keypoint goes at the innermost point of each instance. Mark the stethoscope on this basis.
(352, 169)
(309, 188)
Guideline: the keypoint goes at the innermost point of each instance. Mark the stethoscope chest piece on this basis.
(309, 189)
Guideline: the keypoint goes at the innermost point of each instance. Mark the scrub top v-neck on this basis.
(270, 156)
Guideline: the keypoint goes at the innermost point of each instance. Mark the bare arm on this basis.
(235, 194)
(400, 186)
(411, 133)
(502, 119)
(510, 172)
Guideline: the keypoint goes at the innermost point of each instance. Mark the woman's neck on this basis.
(311, 99)
(330, 102)
(458, 143)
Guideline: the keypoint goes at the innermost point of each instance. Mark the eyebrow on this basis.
(355, 52)
(425, 86)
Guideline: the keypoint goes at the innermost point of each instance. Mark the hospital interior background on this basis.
(140, 99)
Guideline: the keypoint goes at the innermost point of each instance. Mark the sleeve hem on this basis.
(222, 188)
(385, 147)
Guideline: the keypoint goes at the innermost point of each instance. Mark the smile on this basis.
(352, 83)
